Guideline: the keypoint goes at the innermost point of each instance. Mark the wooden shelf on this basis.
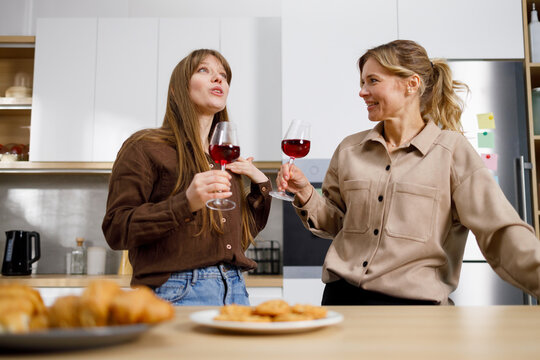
(17, 47)
(30, 40)
(7, 102)
(532, 80)
(29, 167)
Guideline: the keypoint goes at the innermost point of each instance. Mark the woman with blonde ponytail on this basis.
(160, 182)
(398, 200)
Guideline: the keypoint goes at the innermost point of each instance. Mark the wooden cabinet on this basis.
(532, 80)
(464, 29)
(321, 44)
(16, 59)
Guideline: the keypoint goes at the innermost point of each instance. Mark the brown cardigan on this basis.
(158, 229)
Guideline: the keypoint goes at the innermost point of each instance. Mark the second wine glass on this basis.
(223, 149)
(296, 144)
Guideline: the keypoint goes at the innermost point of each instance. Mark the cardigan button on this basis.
(376, 231)
(223, 220)
(387, 167)
(303, 212)
(229, 247)
(263, 188)
(364, 264)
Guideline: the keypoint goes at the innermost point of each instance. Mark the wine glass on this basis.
(224, 149)
(295, 144)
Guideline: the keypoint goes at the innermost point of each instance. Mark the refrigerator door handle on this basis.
(522, 166)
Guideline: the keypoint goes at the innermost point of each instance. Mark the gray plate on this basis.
(71, 339)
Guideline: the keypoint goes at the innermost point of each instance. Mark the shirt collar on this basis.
(422, 141)
(426, 137)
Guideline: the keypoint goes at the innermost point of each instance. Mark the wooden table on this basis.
(437, 332)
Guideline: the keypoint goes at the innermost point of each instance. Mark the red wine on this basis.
(295, 148)
(224, 153)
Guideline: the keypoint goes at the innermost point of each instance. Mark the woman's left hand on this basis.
(245, 167)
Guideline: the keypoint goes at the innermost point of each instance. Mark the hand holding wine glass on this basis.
(296, 144)
(224, 149)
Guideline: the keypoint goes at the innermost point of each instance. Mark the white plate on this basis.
(206, 318)
(71, 339)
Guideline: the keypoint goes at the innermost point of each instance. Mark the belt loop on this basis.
(221, 269)
(195, 276)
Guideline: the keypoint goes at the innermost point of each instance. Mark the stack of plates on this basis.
(19, 92)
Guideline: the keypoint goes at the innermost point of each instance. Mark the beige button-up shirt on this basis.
(399, 221)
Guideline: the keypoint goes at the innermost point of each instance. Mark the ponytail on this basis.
(442, 105)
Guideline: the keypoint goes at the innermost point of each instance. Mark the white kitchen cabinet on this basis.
(177, 38)
(16, 17)
(100, 80)
(50, 294)
(303, 291)
(259, 295)
(63, 95)
(321, 44)
(252, 46)
(126, 82)
(464, 29)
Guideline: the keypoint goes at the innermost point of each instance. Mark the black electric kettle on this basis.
(18, 255)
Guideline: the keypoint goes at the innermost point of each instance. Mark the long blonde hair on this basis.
(438, 99)
(181, 129)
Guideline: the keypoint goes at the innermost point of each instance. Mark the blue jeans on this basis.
(213, 285)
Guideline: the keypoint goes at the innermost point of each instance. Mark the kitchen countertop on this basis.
(63, 280)
(369, 332)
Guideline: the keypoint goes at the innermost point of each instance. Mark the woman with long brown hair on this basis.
(160, 183)
(398, 200)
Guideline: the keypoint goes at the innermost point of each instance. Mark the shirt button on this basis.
(211, 166)
(187, 219)
(229, 247)
(263, 188)
(223, 220)
(376, 231)
(303, 212)
(387, 167)
(380, 198)
(364, 264)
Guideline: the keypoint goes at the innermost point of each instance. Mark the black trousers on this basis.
(342, 293)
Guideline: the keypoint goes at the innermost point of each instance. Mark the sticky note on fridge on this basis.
(486, 140)
(486, 121)
(490, 160)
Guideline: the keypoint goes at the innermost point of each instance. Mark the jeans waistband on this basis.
(216, 271)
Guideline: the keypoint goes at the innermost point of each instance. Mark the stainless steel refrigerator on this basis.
(497, 90)
(497, 97)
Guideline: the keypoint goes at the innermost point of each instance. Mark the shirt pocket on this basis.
(357, 195)
(412, 212)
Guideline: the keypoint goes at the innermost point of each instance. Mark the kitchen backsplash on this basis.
(62, 207)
